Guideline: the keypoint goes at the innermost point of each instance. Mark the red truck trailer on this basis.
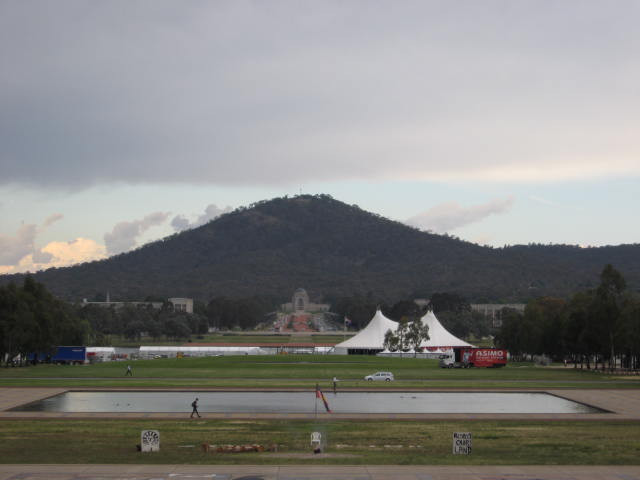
(474, 357)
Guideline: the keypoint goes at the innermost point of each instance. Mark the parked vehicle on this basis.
(62, 355)
(386, 376)
(474, 357)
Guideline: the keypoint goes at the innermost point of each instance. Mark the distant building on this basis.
(300, 304)
(494, 310)
(118, 305)
(179, 304)
(182, 304)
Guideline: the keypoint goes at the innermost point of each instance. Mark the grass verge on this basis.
(349, 442)
(282, 371)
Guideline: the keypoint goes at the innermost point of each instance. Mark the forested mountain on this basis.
(333, 250)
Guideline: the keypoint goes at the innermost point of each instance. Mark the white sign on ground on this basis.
(461, 443)
(150, 441)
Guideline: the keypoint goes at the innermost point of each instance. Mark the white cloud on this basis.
(180, 222)
(448, 216)
(124, 234)
(58, 254)
(76, 251)
(542, 201)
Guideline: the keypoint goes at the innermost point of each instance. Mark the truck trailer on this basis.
(61, 355)
(474, 357)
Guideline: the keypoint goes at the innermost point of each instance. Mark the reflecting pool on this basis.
(306, 402)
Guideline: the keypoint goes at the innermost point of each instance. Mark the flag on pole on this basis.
(320, 395)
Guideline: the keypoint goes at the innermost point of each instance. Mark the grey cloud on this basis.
(124, 235)
(14, 248)
(250, 93)
(448, 216)
(180, 222)
(52, 219)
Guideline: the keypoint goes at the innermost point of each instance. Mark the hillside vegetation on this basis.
(333, 249)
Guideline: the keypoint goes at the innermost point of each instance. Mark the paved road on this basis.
(302, 472)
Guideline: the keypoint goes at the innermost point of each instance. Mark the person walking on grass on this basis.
(129, 372)
(194, 405)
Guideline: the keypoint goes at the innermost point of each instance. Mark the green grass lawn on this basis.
(353, 443)
(304, 371)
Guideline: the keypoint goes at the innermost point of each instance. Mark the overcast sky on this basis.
(500, 122)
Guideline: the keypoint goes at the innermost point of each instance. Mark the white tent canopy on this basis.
(372, 336)
(439, 337)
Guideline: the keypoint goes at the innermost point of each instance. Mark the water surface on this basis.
(306, 402)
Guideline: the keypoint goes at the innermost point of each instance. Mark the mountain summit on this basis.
(333, 249)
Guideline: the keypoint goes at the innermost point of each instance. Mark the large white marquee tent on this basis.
(370, 340)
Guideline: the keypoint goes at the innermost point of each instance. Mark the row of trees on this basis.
(33, 320)
(597, 326)
(134, 322)
(224, 313)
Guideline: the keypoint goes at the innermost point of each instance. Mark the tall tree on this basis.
(408, 336)
(32, 320)
(608, 307)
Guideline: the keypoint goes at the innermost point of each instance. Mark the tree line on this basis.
(595, 327)
(33, 320)
(592, 327)
(136, 321)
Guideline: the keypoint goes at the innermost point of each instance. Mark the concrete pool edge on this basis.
(618, 405)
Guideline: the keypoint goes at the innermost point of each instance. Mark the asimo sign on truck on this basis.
(474, 357)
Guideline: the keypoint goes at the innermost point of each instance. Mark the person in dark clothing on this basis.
(129, 371)
(194, 405)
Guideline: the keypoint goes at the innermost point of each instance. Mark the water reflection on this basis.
(305, 402)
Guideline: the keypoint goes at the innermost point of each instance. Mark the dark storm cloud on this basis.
(250, 93)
